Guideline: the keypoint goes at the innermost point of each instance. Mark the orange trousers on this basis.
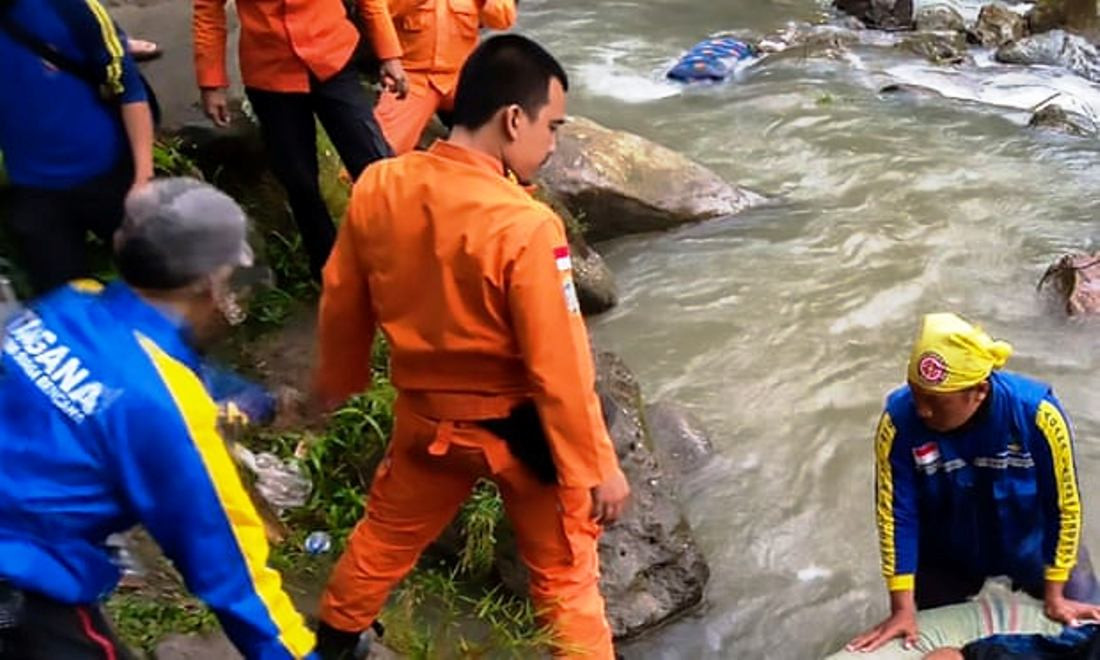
(429, 471)
(404, 120)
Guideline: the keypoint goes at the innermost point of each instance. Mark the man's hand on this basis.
(610, 498)
(393, 77)
(1070, 612)
(215, 103)
(902, 623)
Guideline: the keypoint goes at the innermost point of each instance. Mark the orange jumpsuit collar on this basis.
(451, 151)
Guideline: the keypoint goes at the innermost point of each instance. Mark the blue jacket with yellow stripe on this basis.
(104, 424)
(998, 496)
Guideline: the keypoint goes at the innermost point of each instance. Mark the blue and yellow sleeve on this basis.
(182, 483)
(1058, 490)
(103, 45)
(895, 508)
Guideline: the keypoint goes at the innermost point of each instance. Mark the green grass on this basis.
(142, 622)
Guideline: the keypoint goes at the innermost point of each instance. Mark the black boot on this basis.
(333, 644)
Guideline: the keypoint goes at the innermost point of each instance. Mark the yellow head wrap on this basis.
(951, 355)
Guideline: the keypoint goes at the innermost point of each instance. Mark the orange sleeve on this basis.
(379, 24)
(554, 342)
(209, 34)
(498, 14)
(346, 322)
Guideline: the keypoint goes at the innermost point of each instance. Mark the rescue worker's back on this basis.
(470, 280)
(442, 280)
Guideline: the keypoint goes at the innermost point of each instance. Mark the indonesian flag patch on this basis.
(561, 258)
(926, 454)
(565, 267)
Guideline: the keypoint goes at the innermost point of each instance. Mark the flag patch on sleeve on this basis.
(570, 291)
(561, 257)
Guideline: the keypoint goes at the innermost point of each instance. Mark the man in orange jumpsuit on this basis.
(471, 283)
(297, 62)
(422, 46)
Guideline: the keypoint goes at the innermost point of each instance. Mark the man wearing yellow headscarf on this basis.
(975, 478)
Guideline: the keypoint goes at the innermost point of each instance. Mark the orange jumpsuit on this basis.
(433, 38)
(469, 278)
(282, 42)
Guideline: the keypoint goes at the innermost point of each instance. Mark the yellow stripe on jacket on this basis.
(200, 416)
(1053, 425)
(113, 44)
(884, 505)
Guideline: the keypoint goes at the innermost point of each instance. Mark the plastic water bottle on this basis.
(318, 543)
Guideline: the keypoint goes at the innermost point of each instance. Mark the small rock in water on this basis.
(1055, 118)
(940, 18)
(884, 14)
(998, 25)
(317, 543)
(937, 47)
(1074, 279)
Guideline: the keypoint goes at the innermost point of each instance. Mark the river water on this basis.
(784, 328)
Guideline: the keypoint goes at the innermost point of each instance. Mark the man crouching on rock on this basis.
(975, 478)
(470, 280)
(105, 423)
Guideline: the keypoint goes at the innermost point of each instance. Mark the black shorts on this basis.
(40, 628)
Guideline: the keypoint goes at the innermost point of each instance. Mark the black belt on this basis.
(522, 431)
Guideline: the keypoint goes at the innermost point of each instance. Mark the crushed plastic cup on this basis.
(280, 482)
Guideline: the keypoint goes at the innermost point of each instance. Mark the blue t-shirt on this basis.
(55, 130)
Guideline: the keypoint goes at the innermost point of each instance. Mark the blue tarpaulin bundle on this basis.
(711, 59)
(250, 399)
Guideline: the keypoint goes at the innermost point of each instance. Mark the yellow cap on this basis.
(950, 354)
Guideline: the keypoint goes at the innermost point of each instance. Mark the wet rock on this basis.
(1073, 15)
(213, 646)
(886, 14)
(803, 41)
(1074, 280)
(998, 25)
(651, 570)
(1054, 48)
(936, 47)
(1057, 119)
(939, 18)
(680, 441)
(908, 91)
(619, 183)
(596, 287)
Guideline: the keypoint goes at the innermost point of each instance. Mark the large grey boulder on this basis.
(1054, 48)
(651, 569)
(890, 14)
(939, 18)
(998, 25)
(619, 183)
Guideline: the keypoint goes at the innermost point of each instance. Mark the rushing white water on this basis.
(785, 327)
